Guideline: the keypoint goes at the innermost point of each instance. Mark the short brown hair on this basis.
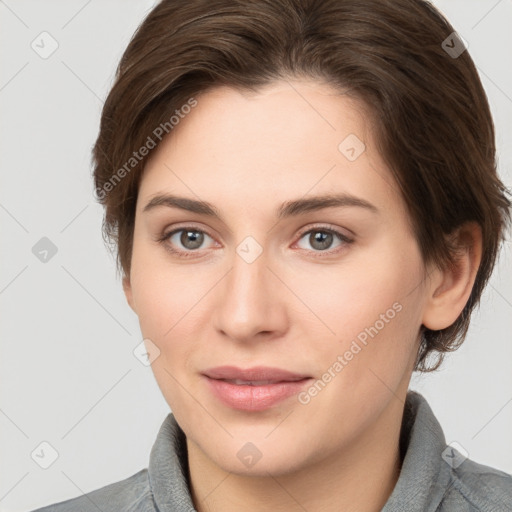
(432, 118)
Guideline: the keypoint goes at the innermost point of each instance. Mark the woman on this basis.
(304, 200)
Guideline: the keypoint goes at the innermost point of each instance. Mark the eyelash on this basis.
(192, 254)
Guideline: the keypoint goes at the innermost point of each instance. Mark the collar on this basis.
(424, 476)
(420, 486)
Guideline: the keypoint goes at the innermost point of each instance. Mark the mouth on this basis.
(253, 389)
(255, 382)
(265, 374)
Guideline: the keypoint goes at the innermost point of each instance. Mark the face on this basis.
(271, 276)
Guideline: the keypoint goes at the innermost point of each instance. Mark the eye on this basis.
(321, 239)
(188, 239)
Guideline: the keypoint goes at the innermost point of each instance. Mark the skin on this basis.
(294, 307)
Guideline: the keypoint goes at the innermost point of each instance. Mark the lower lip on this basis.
(254, 398)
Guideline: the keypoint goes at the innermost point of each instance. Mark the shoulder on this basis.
(130, 495)
(479, 488)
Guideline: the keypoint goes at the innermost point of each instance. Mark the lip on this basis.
(255, 373)
(264, 387)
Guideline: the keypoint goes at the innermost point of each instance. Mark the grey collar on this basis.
(420, 488)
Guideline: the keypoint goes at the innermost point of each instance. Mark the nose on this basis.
(249, 303)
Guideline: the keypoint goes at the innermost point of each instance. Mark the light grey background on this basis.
(68, 375)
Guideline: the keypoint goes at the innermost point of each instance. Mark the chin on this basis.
(260, 455)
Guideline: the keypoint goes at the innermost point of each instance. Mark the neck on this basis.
(360, 477)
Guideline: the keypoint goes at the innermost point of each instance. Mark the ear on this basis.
(449, 290)
(127, 288)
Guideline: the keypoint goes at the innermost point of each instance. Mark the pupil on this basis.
(324, 239)
(191, 239)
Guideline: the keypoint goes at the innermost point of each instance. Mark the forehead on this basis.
(285, 140)
(284, 112)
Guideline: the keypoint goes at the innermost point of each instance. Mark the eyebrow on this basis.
(287, 209)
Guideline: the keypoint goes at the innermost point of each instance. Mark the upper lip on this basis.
(256, 373)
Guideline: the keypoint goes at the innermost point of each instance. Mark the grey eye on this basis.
(190, 239)
(320, 239)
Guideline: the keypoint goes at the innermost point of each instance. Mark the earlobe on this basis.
(449, 289)
(127, 288)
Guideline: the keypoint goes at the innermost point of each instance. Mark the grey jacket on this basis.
(434, 477)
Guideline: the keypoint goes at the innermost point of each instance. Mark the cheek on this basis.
(168, 305)
(172, 302)
(355, 296)
(373, 313)
(165, 295)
